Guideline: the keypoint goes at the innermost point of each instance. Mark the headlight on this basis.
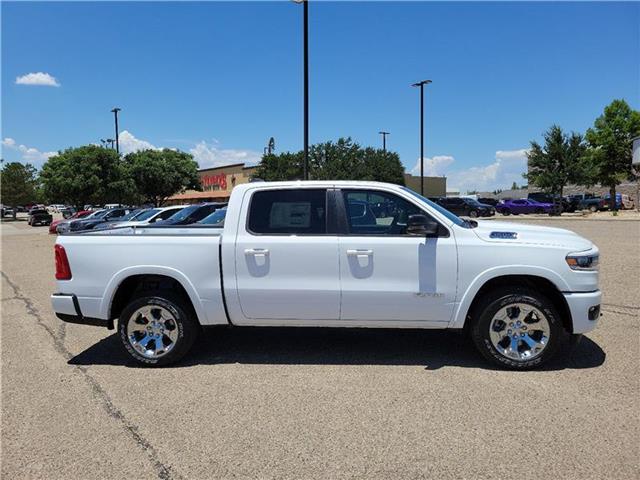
(583, 262)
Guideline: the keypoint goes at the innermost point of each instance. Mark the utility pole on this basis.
(384, 140)
(115, 114)
(305, 48)
(421, 85)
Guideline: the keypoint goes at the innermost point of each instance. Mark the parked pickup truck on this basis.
(320, 254)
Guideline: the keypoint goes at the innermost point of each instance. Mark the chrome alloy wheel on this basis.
(152, 331)
(519, 331)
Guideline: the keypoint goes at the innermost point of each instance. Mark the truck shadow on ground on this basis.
(335, 346)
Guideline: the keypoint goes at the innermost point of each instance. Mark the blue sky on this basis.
(218, 79)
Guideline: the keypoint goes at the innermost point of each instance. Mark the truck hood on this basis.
(511, 232)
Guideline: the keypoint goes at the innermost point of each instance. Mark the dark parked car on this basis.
(216, 218)
(39, 216)
(507, 207)
(489, 201)
(192, 214)
(110, 215)
(468, 207)
(555, 200)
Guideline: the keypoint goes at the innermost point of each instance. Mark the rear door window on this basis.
(293, 212)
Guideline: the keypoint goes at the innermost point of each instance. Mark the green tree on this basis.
(158, 174)
(283, 166)
(558, 162)
(514, 186)
(610, 145)
(18, 182)
(86, 175)
(340, 160)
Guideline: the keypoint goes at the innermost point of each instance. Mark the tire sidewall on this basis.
(187, 330)
(480, 328)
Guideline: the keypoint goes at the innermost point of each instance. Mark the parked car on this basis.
(593, 204)
(623, 201)
(467, 207)
(7, 211)
(523, 205)
(215, 219)
(81, 214)
(39, 216)
(489, 201)
(554, 200)
(191, 214)
(65, 226)
(107, 215)
(290, 254)
(145, 217)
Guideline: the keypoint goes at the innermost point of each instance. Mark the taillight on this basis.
(63, 270)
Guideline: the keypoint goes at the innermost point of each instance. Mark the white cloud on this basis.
(28, 154)
(506, 168)
(434, 167)
(129, 143)
(210, 155)
(38, 78)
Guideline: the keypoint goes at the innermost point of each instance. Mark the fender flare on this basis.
(122, 275)
(460, 313)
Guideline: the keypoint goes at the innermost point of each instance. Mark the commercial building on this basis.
(218, 182)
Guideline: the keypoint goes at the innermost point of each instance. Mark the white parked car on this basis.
(333, 254)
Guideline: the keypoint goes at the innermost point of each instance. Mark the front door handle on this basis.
(359, 253)
(257, 252)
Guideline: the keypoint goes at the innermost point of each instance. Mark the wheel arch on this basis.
(124, 285)
(550, 287)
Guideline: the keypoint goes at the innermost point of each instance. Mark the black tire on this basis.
(593, 209)
(483, 315)
(473, 214)
(506, 212)
(187, 326)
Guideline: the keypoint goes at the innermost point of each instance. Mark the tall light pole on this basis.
(305, 26)
(421, 85)
(115, 114)
(384, 140)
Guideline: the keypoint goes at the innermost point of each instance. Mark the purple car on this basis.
(507, 207)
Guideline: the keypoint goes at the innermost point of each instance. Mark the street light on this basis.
(305, 24)
(421, 85)
(384, 140)
(115, 114)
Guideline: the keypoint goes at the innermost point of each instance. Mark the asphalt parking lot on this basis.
(296, 403)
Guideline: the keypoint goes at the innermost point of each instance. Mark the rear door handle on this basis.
(257, 252)
(359, 253)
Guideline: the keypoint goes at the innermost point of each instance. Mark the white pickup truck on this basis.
(333, 254)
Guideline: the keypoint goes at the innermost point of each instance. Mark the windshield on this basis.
(99, 214)
(450, 216)
(216, 218)
(182, 214)
(473, 201)
(146, 214)
(131, 215)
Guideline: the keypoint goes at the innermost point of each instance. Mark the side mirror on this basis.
(421, 225)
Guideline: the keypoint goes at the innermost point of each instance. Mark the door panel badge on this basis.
(504, 235)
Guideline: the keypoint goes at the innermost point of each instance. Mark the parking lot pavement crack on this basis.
(163, 471)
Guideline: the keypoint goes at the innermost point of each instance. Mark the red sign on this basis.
(210, 180)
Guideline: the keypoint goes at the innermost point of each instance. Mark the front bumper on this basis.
(67, 309)
(585, 309)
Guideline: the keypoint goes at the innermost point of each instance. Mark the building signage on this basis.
(210, 180)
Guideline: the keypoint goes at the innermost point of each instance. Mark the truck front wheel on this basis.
(516, 328)
(157, 328)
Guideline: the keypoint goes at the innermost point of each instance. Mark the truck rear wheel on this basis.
(516, 328)
(157, 328)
